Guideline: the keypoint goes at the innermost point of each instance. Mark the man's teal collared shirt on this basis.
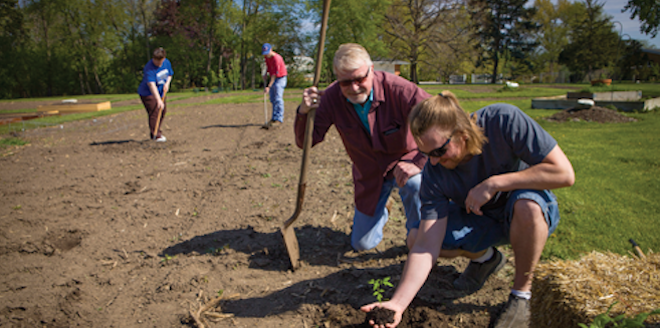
(363, 111)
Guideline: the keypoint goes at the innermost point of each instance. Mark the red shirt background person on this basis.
(276, 68)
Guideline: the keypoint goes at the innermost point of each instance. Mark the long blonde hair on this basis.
(445, 112)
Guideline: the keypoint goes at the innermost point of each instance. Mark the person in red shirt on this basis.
(277, 70)
(370, 111)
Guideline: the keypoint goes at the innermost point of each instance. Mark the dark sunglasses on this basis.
(438, 152)
(358, 80)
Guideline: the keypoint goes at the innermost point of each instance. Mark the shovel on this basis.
(289, 235)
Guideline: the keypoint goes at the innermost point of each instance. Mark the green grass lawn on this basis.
(617, 166)
(617, 186)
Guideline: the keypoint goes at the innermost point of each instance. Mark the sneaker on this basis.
(516, 313)
(275, 123)
(476, 274)
(161, 139)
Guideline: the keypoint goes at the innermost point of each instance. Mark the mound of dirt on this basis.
(593, 114)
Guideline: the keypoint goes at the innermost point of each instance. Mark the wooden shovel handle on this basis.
(309, 126)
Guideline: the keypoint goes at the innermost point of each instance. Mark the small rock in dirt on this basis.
(29, 248)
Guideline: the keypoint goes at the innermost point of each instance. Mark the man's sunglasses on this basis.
(358, 80)
(438, 152)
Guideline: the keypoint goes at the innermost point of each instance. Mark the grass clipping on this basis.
(570, 292)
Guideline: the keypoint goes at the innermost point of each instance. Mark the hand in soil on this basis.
(379, 316)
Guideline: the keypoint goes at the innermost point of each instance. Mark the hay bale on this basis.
(570, 292)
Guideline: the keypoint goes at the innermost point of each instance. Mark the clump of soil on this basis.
(592, 114)
(380, 316)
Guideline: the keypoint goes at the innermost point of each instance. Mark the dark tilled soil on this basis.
(101, 227)
(593, 114)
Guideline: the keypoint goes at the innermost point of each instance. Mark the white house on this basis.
(301, 64)
(304, 65)
(391, 66)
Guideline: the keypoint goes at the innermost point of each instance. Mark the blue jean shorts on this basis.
(475, 233)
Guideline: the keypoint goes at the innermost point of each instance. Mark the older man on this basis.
(370, 111)
(487, 183)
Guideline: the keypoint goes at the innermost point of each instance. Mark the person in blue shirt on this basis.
(487, 182)
(156, 78)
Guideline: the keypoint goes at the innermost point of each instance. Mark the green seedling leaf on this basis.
(377, 287)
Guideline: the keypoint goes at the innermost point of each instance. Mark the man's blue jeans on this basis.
(368, 230)
(277, 98)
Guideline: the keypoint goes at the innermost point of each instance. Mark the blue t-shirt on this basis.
(158, 75)
(515, 141)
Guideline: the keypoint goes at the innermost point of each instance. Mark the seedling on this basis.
(603, 320)
(216, 251)
(167, 258)
(378, 287)
(220, 292)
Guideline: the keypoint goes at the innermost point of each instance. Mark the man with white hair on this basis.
(370, 111)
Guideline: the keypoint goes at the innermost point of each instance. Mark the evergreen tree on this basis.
(503, 27)
(593, 43)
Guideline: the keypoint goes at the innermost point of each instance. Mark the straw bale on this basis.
(570, 292)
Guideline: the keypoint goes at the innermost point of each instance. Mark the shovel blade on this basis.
(291, 243)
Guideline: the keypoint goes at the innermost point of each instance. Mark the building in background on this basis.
(390, 66)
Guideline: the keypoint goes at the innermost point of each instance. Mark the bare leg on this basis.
(529, 232)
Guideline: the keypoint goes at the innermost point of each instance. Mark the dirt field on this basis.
(101, 227)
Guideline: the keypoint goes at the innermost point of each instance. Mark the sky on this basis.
(630, 26)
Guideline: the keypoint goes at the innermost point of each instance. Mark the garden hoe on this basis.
(266, 120)
(160, 112)
(265, 112)
(289, 235)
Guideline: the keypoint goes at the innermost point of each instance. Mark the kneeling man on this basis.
(487, 183)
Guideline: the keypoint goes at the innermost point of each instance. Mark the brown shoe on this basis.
(275, 124)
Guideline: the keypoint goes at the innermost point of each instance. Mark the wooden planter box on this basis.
(601, 81)
(75, 108)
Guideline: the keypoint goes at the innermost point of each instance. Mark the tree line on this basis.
(77, 47)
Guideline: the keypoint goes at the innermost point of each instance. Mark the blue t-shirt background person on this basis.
(156, 78)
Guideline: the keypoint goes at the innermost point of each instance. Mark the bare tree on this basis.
(455, 52)
(412, 26)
